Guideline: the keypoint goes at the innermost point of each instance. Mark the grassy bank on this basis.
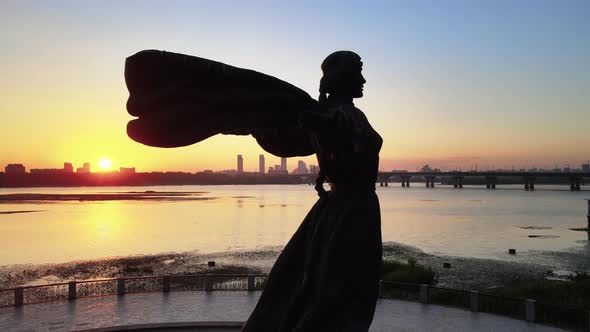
(410, 272)
(572, 292)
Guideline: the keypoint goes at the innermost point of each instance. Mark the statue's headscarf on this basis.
(335, 64)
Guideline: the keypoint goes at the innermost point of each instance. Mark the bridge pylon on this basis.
(529, 183)
(491, 182)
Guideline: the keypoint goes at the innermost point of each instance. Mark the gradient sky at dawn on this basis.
(450, 83)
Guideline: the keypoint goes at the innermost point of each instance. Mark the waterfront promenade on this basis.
(231, 306)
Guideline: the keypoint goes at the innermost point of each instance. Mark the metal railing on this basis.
(449, 297)
(7, 297)
(574, 318)
(400, 290)
(570, 317)
(72, 290)
(505, 306)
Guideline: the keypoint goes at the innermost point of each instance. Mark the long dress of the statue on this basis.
(327, 276)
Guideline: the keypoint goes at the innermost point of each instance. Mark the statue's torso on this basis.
(349, 155)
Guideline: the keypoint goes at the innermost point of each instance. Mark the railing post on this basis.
(166, 284)
(380, 289)
(530, 310)
(72, 290)
(18, 296)
(120, 286)
(474, 301)
(424, 293)
(251, 282)
(208, 283)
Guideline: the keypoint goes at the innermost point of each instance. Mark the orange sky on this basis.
(448, 92)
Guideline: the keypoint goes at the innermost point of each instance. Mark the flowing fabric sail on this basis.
(180, 100)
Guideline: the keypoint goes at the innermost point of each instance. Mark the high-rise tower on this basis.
(240, 164)
(261, 164)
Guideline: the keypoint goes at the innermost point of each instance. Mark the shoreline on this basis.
(464, 273)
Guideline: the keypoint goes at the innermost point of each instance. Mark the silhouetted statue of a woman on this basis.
(327, 276)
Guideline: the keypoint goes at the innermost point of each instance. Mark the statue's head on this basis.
(342, 75)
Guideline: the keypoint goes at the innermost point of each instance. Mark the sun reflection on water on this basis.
(106, 222)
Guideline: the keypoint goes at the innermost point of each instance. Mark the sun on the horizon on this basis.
(105, 163)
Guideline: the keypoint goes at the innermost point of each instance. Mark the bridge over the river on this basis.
(490, 178)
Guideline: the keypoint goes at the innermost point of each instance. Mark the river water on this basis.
(470, 222)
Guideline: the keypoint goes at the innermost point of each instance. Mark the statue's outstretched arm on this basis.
(179, 100)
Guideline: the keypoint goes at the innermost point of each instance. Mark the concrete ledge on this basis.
(176, 326)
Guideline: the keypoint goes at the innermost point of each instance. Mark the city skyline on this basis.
(452, 91)
(312, 168)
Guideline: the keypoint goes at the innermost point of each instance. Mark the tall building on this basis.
(261, 164)
(586, 167)
(240, 164)
(15, 169)
(313, 169)
(85, 169)
(68, 168)
(301, 168)
(126, 170)
(276, 170)
(283, 164)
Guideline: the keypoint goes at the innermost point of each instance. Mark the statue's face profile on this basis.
(351, 83)
(342, 74)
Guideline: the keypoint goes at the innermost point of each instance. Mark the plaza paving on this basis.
(234, 306)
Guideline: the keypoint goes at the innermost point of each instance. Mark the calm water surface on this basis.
(471, 222)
